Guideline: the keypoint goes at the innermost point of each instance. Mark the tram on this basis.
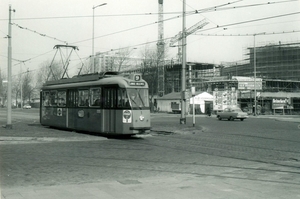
(106, 103)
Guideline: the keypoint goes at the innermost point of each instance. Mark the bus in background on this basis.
(106, 103)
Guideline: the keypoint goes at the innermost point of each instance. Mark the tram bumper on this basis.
(140, 130)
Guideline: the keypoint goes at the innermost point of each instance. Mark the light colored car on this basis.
(27, 106)
(232, 114)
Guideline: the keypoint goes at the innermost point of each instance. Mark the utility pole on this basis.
(160, 51)
(254, 64)
(183, 83)
(8, 124)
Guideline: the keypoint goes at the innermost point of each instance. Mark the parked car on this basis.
(231, 114)
(26, 106)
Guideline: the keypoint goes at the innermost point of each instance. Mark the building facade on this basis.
(114, 62)
(273, 61)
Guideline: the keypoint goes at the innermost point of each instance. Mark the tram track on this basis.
(227, 142)
(140, 157)
(202, 174)
(162, 167)
(219, 149)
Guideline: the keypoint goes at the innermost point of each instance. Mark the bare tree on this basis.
(86, 66)
(119, 59)
(16, 87)
(123, 57)
(27, 87)
(45, 72)
(149, 67)
(111, 63)
(22, 87)
(3, 87)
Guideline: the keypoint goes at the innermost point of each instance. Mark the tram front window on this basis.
(138, 98)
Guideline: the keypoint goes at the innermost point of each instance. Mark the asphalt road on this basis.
(260, 150)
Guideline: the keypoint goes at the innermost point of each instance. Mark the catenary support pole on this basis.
(8, 123)
(183, 75)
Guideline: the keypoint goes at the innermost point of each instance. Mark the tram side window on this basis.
(46, 98)
(123, 101)
(96, 97)
(83, 98)
(61, 98)
(72, 98)
(53, 98)
(110, 97)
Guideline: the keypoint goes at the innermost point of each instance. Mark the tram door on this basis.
(71, 108)
(109, 110)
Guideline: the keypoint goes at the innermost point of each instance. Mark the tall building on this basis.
(273, 61)
(114, 62)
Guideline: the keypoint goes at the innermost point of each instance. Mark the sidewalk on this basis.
(178, 186)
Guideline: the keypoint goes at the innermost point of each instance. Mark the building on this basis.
(277, 70)
(114, 62)
(278, 67)
(196, 75)
(273, 61)
(171, 102)
(272, 96)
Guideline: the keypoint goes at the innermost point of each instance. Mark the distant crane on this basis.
(160, 51)
(189, 31)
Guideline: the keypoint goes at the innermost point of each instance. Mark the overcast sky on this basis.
(128, 23)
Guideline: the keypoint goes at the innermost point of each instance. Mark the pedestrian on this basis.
(208, 111)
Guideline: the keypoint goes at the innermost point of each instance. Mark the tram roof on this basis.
(82, 78)
(104, 78)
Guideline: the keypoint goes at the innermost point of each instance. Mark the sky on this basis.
(40, 25)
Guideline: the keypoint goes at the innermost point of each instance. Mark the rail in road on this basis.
(254, 156)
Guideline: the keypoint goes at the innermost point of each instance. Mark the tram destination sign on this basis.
(137, 83)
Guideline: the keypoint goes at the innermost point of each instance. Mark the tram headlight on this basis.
(142, 118)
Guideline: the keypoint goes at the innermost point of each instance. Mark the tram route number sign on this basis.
(127, 116)
(59, 111)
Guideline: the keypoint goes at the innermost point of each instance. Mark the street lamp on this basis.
(93, 56)
(254, 63)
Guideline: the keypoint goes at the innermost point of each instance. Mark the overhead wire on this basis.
(168, 19)
(215, 8)
(23, 61)
(251, 21)
(250, 34)
(41, 34)
(132, 14)
(246, 6)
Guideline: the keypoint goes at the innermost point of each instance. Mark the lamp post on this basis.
(93, 56)
(254, 63)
